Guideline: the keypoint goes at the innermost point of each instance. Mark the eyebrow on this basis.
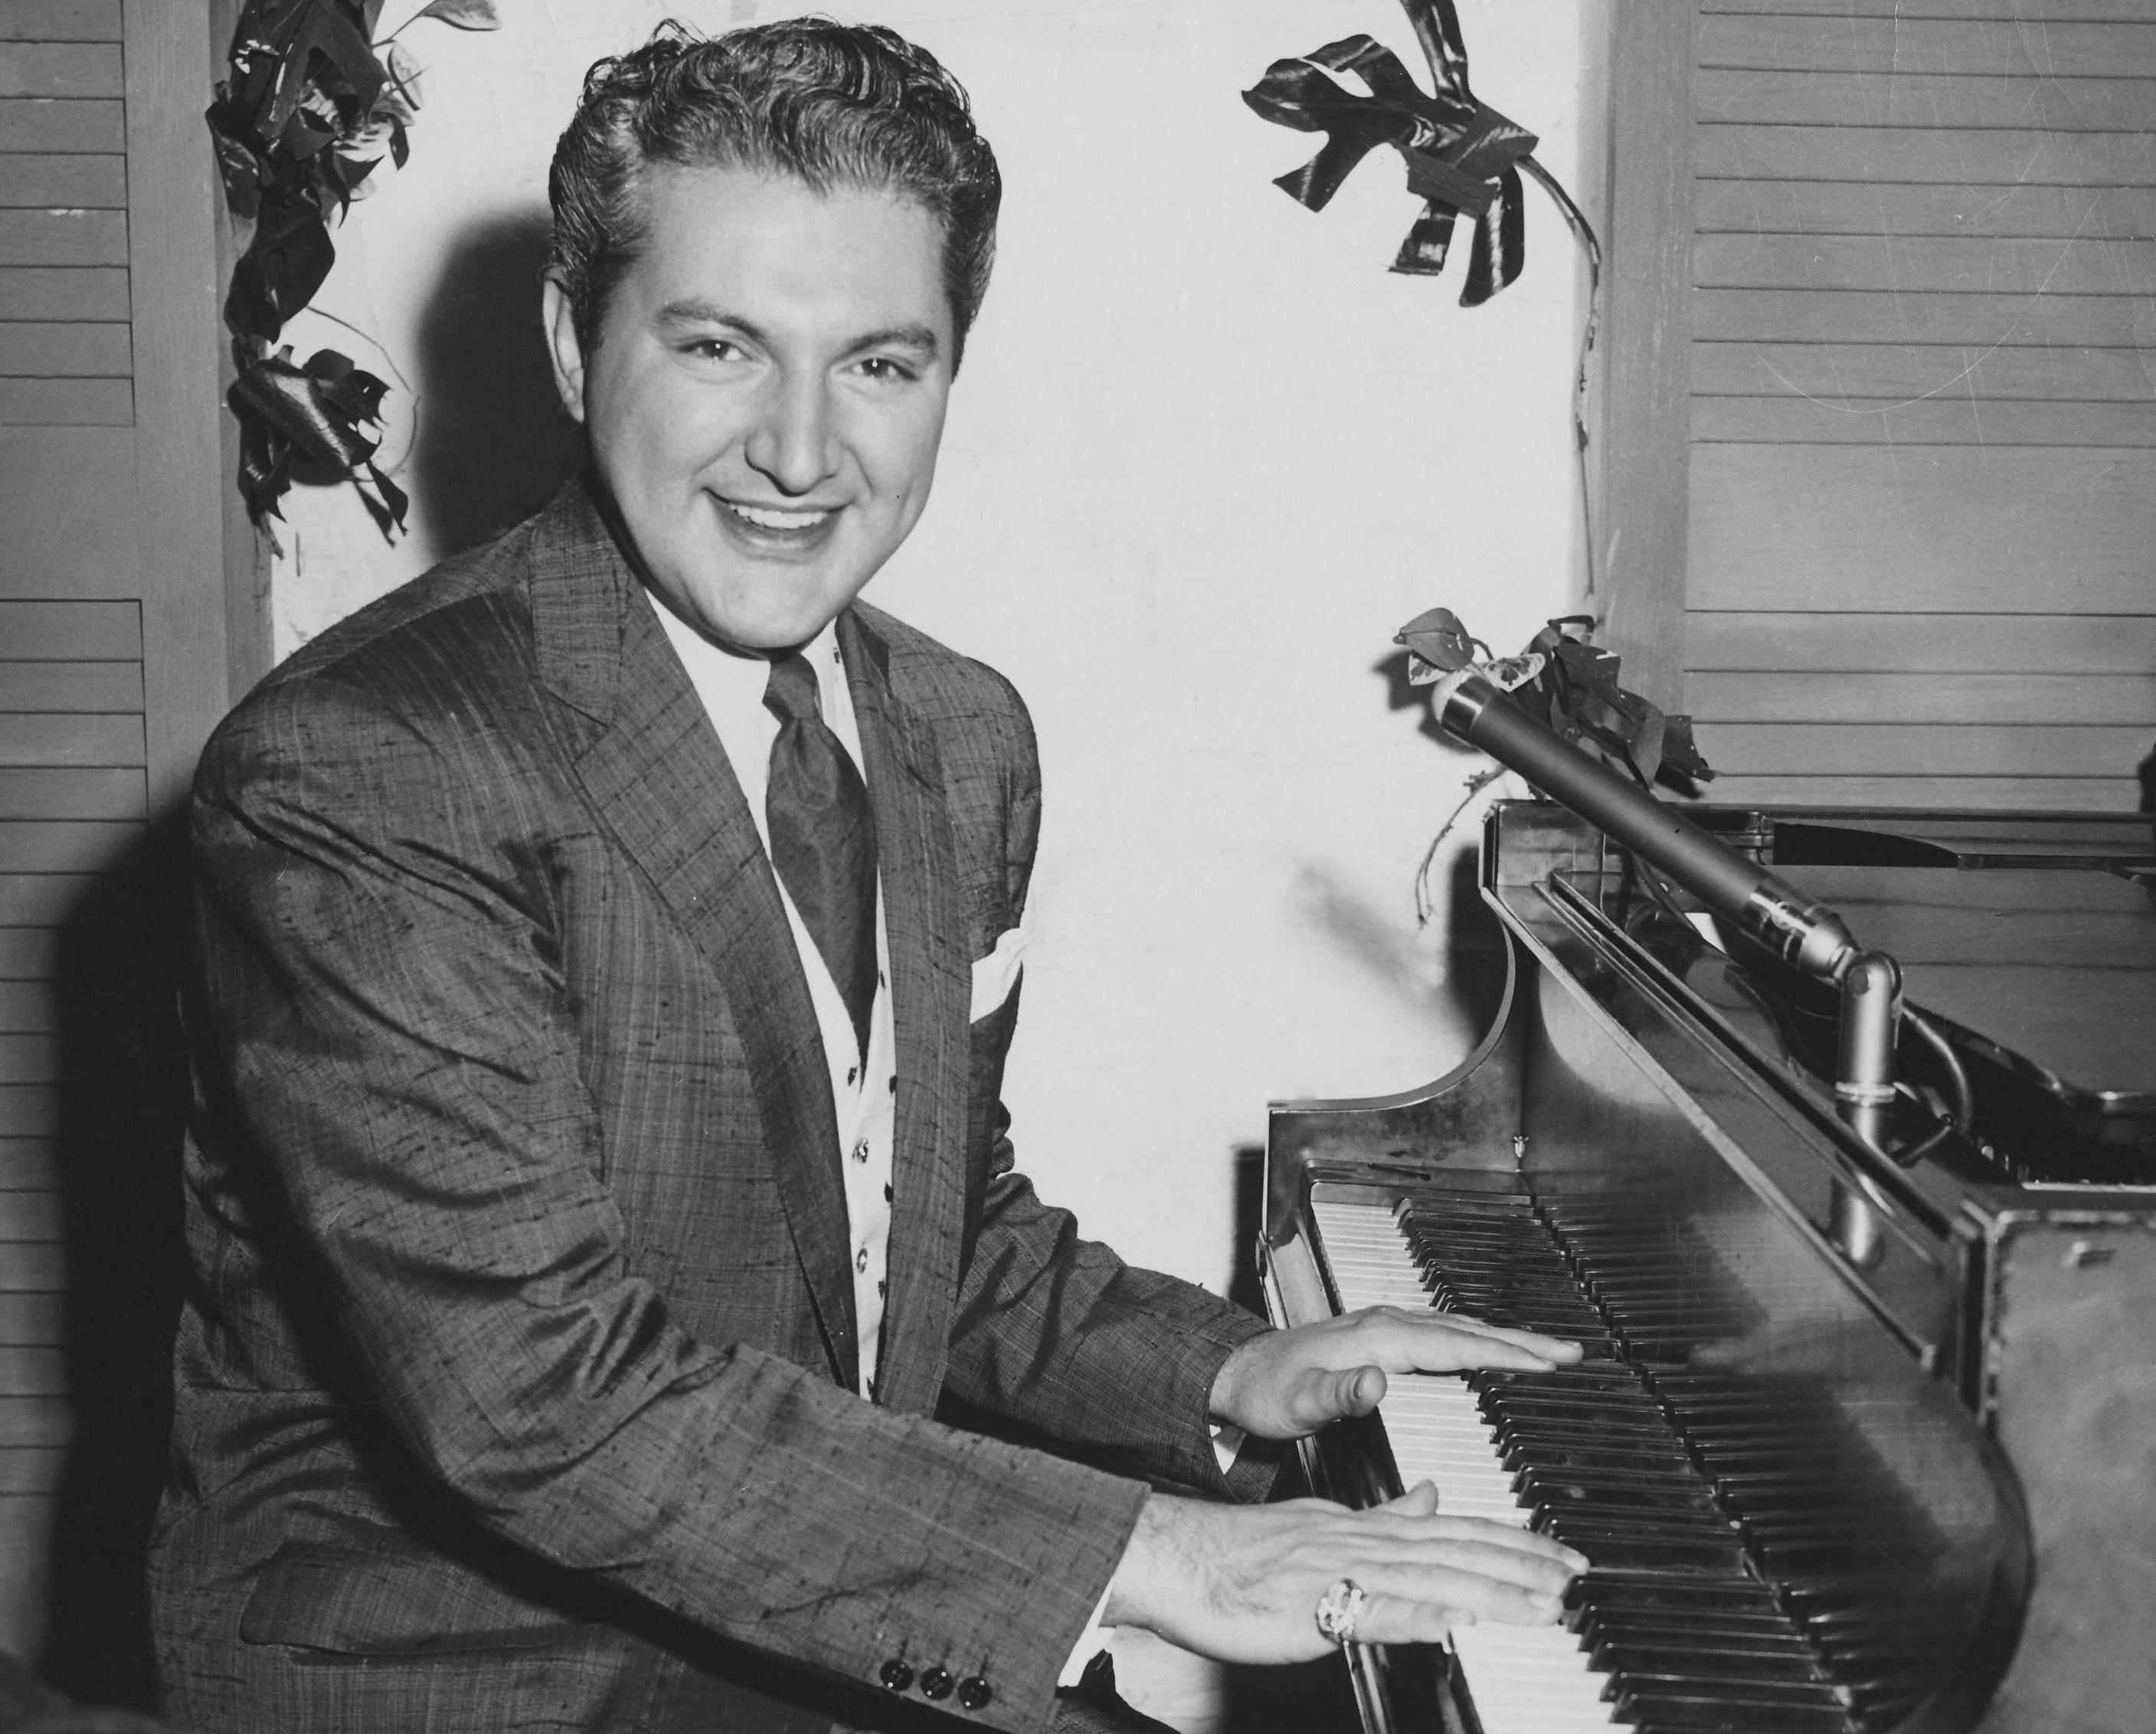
(916, 336)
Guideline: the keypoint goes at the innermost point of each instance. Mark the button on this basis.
(861, 1261)
(935, 1683)
(852, 1073)
(883, 1288)
(894, 1083)
(886, 1192)
(974, 1692)
(862, 1150)
(897, 1674)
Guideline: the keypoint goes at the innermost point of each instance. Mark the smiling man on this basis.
(606, 964)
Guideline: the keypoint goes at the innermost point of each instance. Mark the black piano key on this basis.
(1585, 1421)
(1704, 1557)
(1672, 1493)
(1675, 1661)
(1570, 1377)
(1602, 1591)
(1570, 1456)
(1661, 1520)
(1538, 1436)
(1701, 1712)
(1717, 1638)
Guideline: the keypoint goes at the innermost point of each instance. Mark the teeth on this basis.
(771, 518)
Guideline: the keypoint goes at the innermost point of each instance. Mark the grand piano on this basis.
(1865, 1435)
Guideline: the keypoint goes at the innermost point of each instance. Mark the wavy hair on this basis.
(831, 105)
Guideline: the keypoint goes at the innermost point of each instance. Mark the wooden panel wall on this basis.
(65, 341)
(1922, 547)
(113, 665)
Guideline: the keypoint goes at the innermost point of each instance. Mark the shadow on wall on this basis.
(490, 442)
(122, 1105)
(1472, 983)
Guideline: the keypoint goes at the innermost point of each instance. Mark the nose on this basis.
(793, 442)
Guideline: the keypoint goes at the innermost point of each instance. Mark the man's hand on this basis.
(1292, 1382)
(1240, 1583)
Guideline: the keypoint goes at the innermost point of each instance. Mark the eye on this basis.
(712, 349)
(885, 369)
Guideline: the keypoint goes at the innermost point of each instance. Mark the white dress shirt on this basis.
(863, 1094)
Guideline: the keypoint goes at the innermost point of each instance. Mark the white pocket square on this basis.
(995, 975)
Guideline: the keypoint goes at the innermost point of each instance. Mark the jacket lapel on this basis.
(659, 777)
(925, 932)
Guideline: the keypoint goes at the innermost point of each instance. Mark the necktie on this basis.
(822, 836)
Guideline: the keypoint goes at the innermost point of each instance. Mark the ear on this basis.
(563, 347)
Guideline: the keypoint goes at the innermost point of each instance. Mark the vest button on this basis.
(935, 1683)
(897, 1674)
(974, 1692)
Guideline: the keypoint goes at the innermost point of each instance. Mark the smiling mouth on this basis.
(780, 520)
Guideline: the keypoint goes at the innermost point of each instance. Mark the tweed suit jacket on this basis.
(516, 1384)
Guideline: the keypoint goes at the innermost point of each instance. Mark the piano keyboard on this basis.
(1523, 1678)
(1722, 1593)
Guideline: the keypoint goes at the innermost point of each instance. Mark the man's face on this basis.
(765, 394)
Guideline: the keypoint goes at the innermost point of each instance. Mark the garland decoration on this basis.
(309, 110)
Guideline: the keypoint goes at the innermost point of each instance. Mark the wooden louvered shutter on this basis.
(1920, 484)
(113, 664)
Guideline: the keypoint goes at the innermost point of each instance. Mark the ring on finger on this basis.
(1338, 1610)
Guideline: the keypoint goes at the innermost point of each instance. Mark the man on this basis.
(605, 976)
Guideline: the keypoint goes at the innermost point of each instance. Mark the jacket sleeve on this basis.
(1054, 1331)
(384, 1019)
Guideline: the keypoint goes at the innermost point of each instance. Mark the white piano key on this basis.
(1524, 1680)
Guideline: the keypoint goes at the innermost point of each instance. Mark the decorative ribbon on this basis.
(294, 420)
(1462, 157)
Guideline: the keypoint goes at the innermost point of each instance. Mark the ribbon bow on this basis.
(1462, 156)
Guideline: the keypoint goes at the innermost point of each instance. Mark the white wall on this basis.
(1206, 455)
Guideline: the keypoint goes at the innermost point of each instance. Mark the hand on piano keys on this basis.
(1241, 1584)
(1292, 1383)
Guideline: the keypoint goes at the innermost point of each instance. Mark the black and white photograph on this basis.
(1524, 631)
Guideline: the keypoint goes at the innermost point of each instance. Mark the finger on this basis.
(1552, 1348)
(1478, 1599)
(1420, 1501)
(1391, 1531)
(1460, 1343)
(1324, 1395)
(1534, 1569)
(1406, 1620)
(1436, 1602)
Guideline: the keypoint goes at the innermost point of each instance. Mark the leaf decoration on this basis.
(1570, 684)
(1462, 157)
(1438, 639)
(464, 14)
(295, 417)
(286, 261)
(309, 110)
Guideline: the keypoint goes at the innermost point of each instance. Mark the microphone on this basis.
(1807, 935)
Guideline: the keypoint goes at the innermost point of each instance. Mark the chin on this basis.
(774, 630)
